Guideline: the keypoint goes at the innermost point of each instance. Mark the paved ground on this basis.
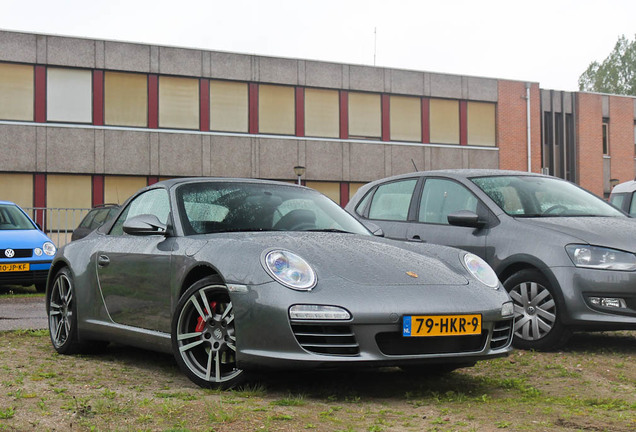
(22, 313)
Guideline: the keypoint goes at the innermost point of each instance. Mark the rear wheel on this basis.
(203, 335)
(538, 312)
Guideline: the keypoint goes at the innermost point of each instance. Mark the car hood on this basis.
(360, 259)
(23, 239)
(613, 232)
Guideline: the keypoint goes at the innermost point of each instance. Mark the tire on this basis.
(538, 312)
(62, 313)
(204, 344)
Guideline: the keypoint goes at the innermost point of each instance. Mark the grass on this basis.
(590, 385)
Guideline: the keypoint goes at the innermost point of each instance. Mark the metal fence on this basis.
(57, 223)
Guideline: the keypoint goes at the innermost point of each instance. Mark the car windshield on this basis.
(12, 218)
(210, 207)
(530, 196)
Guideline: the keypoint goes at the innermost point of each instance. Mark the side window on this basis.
(443, 197)
(391, 200)
(632, 208)
(618, 200)
(153, 202)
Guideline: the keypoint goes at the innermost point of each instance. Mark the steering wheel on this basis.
(555, 207)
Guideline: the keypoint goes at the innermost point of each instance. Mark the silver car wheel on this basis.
(205, 335)
(535, 310)
(61, 310)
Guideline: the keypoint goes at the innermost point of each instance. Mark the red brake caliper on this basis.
(201, 321)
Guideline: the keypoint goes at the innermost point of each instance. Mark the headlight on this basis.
(290, 270)
(48, 248)
(601, 258)
(481, 270)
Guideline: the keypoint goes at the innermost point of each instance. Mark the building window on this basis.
(17, 188)
(178, 103)
(365, 115)
(605, 137)
(125, 99)
(406, 118)
(67, 191)
(481, 124)
(69, 95)
(322, 113)
(228, 106)
(444, 121)
(16, 92)
(118, 189)
(330, 189)
(276, 109)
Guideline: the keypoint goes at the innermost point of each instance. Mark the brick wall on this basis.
(511, 126)
(589, 132)
(621, 138)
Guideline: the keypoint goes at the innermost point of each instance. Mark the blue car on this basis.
(25, 251)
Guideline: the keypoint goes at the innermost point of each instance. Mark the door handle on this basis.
(103, 261)
(417, 238)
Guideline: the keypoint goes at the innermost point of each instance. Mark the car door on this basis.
(134, 271)
(389, 207)
(440, 197)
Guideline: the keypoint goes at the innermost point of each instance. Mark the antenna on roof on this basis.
(414, 166)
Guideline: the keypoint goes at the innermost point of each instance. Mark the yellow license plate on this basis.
(14, 267)
(441, 325)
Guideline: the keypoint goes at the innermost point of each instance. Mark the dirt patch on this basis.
(589, 386)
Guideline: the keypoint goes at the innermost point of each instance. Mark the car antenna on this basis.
(414, 166)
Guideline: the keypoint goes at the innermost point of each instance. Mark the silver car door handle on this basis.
(103, 261)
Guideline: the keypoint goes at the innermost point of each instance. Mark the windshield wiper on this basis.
(334, 230)
(243, 229)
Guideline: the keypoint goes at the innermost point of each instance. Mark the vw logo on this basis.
(9, 253)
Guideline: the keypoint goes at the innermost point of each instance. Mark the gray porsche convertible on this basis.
(236, 275)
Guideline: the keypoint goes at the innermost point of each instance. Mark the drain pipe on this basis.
(528, 127)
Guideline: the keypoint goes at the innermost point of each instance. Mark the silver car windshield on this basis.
(212, 207)
(530, 196)
(12, 218)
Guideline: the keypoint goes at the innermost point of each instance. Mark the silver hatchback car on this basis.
(567, 257)
(624, 197)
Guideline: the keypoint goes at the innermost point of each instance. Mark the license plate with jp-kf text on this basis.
(441, 325)
(14, 267)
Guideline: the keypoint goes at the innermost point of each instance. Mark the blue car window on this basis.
(12, 218)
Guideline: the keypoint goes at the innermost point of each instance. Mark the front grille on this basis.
(501, 334)
(28, 277)
(19, 253)
(395, 344)
(331, 339)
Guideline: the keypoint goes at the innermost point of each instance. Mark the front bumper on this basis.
(578, 285)
(37, 273)
(266, 336)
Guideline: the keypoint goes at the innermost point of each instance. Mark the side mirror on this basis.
(375, 229)
(144, 224)
(466, 218)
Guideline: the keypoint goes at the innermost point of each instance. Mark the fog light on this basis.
(318, 312)
(37, 251)
(610, 302)
(507, 309)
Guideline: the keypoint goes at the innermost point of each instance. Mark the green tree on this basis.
(616, 74)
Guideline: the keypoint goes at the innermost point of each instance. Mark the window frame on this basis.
(371, 196)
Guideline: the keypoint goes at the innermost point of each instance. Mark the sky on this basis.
(547, 41)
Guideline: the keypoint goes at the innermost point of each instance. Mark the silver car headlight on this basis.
(597, 257)
(48, 248)
(290, 270)
(481, 270)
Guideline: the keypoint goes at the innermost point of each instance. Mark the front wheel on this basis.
(62, 312)
(538, 313)
(203, 335)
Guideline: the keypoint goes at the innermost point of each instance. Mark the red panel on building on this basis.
(152, 180)
(426, 122)
(463, 122)
(39, 197)
(344, 194)
(204, 115)
(40, 94)
(98, 190)
(300, 111)
(153, 101)
(344, 114)
(386, 118)
(98, 97)
(253, 108)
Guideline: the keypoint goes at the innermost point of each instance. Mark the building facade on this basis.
(83, 122)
